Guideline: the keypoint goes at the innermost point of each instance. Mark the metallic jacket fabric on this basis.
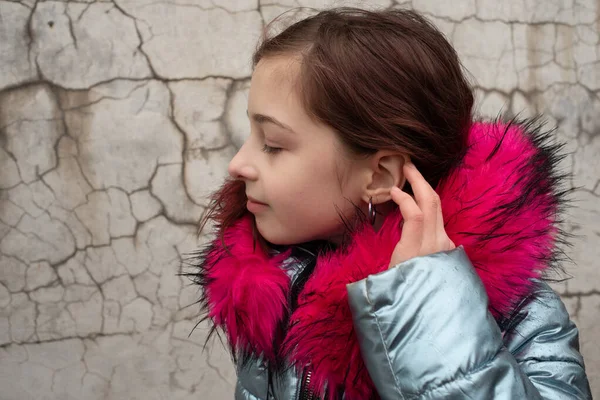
(425, 332)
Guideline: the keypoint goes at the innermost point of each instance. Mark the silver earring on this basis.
(372, 211)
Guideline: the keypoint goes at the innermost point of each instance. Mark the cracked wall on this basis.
(117, 118)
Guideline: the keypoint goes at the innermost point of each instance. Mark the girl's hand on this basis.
(423, 229)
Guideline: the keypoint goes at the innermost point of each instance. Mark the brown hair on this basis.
(383, 80)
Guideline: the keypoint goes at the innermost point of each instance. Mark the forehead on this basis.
(278, 70)
(274, 85)
(275, 91)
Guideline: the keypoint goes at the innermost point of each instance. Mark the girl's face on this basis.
(298, 175)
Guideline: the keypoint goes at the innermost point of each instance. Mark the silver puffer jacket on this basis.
(425, 333)
(477, 322)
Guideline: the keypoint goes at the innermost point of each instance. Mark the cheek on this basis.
(311, 207)
(310, 187)
(307, 197)
(321, 183)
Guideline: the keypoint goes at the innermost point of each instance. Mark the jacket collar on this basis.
(500, 204)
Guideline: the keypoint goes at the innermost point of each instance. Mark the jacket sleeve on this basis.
(425, 333)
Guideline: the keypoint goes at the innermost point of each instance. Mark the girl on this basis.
(329, 281)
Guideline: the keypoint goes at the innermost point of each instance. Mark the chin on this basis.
(278, 237)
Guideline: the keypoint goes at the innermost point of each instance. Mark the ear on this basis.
(384, 172)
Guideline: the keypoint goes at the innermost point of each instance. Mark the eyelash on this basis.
(271, 150)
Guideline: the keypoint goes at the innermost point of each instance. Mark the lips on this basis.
(253, 200)
(255, 207)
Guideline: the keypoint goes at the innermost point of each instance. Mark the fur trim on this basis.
(501, 203)
(246, 293)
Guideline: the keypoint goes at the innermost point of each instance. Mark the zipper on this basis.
(303, 265)
(305, 391)
(302, 274)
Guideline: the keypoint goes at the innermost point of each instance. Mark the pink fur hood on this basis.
(501, 204)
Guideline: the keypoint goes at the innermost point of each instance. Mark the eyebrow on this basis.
(263, 119)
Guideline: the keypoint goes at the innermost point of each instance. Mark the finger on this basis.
(421, 188)
(451, 245)
(412, 228)
(444, 241)
(440, 227)
(429, 203)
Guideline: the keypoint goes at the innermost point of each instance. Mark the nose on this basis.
(240, 167)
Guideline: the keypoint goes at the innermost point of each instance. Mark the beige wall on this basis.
(117, 118)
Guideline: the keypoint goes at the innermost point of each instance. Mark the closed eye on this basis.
(271, 150)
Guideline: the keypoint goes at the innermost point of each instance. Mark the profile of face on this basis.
(298, 176)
